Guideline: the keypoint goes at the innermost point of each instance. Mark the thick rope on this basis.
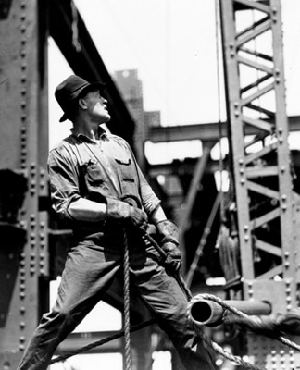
(229, 356)
(126, 288)
(247, 321)
(235, 359)
(199, 332)
(100, 342)
(127, 329)
(218, 349)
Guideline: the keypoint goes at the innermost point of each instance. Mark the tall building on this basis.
(131, 89)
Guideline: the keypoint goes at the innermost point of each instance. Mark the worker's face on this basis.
(97, 106)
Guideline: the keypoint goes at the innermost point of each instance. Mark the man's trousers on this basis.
(88, 273)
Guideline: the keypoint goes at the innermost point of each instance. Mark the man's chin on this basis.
(104, 119)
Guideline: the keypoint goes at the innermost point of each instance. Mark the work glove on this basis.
(168, 235)
(125, 214)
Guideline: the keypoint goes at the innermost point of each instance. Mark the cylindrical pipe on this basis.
(204, 312)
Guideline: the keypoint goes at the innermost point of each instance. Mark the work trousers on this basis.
(88, 273)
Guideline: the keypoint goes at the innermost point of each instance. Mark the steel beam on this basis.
(262, 181)
(206, 132)
(247, 166)
(23, 149)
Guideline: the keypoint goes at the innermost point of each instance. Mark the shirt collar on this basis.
(101, 132)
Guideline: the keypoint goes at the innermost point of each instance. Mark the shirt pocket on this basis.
(94, 174)
(128, 176)
(95, 181)
(125, 169)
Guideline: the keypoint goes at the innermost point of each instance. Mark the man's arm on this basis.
(113, 211)
(87, 210)
(158, 215)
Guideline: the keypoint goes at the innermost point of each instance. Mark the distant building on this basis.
(152, 119)
(131, 90)
(130, 86)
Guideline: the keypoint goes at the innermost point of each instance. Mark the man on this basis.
(98, 187)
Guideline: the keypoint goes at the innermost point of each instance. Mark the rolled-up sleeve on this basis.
(149, 198)
(64, 182)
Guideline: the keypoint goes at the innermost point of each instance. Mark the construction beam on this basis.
(262, 219)
(23, 151)
(209, 132)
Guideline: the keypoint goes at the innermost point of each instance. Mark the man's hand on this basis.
(168, 234)
(124, 213)
(173, 260)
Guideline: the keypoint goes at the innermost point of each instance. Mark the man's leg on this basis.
(165, 298)
(87, 275)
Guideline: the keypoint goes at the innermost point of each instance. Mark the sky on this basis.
(171, 44)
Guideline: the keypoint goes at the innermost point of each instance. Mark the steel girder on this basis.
(205, 132)
(262, 180)
(23, 152)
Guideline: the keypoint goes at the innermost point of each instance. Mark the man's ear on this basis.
(82, 103)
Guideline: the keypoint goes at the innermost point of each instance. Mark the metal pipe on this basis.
(204, 312)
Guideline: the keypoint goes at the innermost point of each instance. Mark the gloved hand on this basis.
(125, 214)
(168, 234)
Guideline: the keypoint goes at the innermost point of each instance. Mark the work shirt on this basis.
(80, 167)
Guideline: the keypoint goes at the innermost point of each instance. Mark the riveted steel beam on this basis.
(23, 150)
(263, 183)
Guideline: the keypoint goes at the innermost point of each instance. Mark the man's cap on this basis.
(69, 91)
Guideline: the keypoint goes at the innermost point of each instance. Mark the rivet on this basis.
(22, 310)
(22, 325)
(6, 365)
